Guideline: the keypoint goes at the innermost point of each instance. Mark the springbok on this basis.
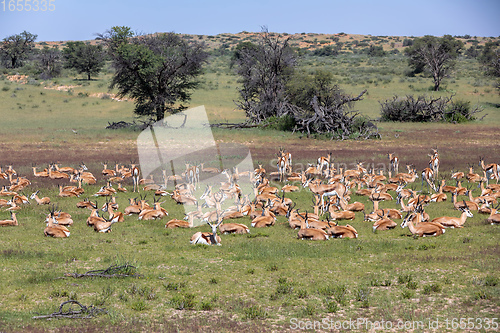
(454, 222)
(42, 201)
(135, 177)
(209, 169)
(306, 232)
(86, 203)
(341, 231)
(384, 223)
(53, 229)
(44, 173)
(494, 217)
(492, 169)
(233, 228)
(428, 176)
(324, 163)
(175, 223)
(208, 238)
(100, 226)
(113, 216)
(464, 203)
(153, 213)
(107, 172)
(9, 223)
(393, 162)
(422, 229)
(434, 162)
(439, 196)
(264, 220)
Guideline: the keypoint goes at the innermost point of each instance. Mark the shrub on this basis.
(424, 109)
(255, 312)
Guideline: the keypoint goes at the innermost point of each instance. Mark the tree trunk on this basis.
(88, 76)
(160, 112)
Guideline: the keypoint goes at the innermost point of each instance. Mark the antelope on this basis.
(5, 203)
(309, 233)
(428, 177)
(56, 174)
(62, 218)
(208, 238)
(394, 162)
(43, 201)
(13, 205)
(353, 207)
(7, 193)
(154, 213)
(53, 229)
(44, 173)
(147, 181)
(115, 217)
(494, 217)
(457, 175)
(264, 220)
(9, 223)
(209, 170)
(135, 177)
(282, 167)
(471, 176)
(289, 188)
(175, 223)
(134, 207)
(469, 204)
(343, 215)
(440, 196)
(339, 231)
(104, 226)
(493, 169)
(192, 175)
(434, 162)
(233, 228)
(384, 223)
(454, 222)
(94, 216)
(422, 229)
(3, 174)
(483, 198)
(87, 178)
(107, 172)
(86, 204)
(259, 171)
(324, 163)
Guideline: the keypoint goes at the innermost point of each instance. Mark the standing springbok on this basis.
(393, 162)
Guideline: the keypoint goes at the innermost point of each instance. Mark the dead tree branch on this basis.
(83, 312)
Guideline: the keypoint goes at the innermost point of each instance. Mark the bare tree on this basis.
(265, 69)
(434, 55)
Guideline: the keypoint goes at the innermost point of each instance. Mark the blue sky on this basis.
(80, 19)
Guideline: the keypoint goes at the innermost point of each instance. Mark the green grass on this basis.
(257, 280)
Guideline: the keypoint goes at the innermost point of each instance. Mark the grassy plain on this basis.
(261, 281)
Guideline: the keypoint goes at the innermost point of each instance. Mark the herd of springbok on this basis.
(330, 188)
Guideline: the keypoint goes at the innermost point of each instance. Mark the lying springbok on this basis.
(454, 222)
(208, 238)
(306, 232)
(340, 231)
(422, 229)
(53, 229)
(9, 223)
(42, 201)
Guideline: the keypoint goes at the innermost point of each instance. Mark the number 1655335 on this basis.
(28, 5)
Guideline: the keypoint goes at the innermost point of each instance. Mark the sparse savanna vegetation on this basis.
(268, 279)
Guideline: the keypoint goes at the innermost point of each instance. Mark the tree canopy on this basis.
(85, 58)
(434, 55)
(17, 48)
(158, 71)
